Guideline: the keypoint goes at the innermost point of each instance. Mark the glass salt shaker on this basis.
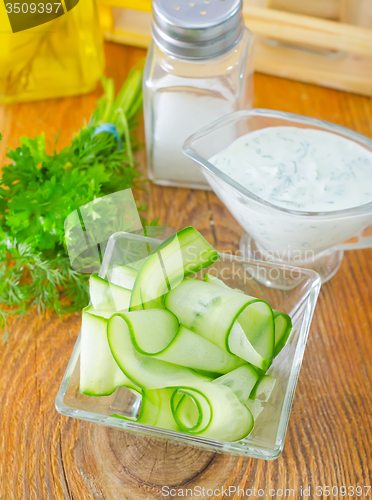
(199, 68)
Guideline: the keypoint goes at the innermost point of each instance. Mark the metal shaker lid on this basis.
(197, 29)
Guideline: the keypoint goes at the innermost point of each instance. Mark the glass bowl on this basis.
(267, 438)
(304, 239)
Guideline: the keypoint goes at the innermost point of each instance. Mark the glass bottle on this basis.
(53, 53)
(199, 68)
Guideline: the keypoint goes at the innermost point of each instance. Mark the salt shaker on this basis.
(199, 68)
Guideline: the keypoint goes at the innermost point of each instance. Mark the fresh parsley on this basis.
(39, 190)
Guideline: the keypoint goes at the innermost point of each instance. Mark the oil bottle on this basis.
(49, 49)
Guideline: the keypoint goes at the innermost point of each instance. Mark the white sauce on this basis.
(300, 169)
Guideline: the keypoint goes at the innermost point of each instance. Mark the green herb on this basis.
(38, 191)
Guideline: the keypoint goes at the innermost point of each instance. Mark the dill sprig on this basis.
(38, 191)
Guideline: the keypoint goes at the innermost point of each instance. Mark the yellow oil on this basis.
(61, 57)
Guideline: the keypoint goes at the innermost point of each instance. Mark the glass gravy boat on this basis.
(313, 240)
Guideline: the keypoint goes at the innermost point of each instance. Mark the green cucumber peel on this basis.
(180, 402)
(211, 375)
(152, 330)
(220, 413)
(282, 321)
(194, 351)
(240, 381)
(168, 341)
(155, 410)
(99, 373)
(108, 296)
(181, 255)
(146, 371)
(238, 343)
(212, 311)
(283, 329)
(263, 388)
(203, 410)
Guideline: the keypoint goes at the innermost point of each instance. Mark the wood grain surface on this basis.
(329, 442)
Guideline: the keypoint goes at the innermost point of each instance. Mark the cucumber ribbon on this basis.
(237, 323)
(196, 352)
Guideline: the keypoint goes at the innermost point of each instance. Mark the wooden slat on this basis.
(327, 9)
(130, 27)
(309, 31)
(344, 72)
(358, 12)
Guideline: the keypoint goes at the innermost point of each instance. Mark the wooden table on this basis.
(329, 442)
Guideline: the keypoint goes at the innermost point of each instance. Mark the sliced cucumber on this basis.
(176, 340)
(211, 375)
(192, 350)
(156, 332)
(283, 328)
(240, 381)
(213, 280)
(123, 276)
(179, 256)
(99, 373)
(211, 410)
(204, 410)
(263, 388)
(145, 371)
(100, 313)
(155, 410)
(238, 343)
(209, 278)
(283, 322)
(254, 325)
(174, 344)
(151, 330)
(211, 311)
(105, 295)
(158, 399)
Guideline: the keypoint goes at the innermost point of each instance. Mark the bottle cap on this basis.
(197, 29)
